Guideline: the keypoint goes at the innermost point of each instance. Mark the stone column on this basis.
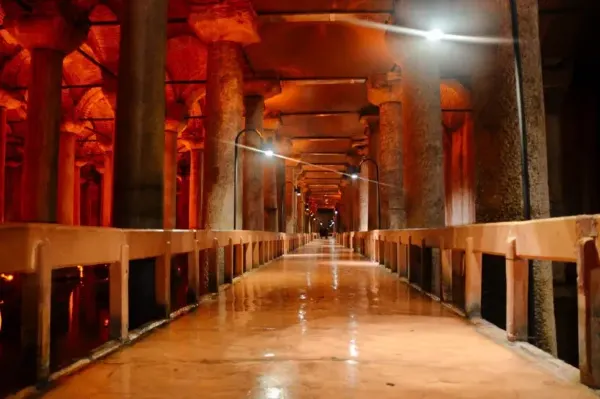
(281, 206)
(195, 207)
(270, 178)
(77, 194)
(363, 198)
(140, 119)
(3, 131)
(224, 27)
(371, 123)
(49, 33)
(170, 175)
(253, 196)
(290, 221)
(384, 90)
(66, 178)
(500, 186)
(107, 189)
(423, 140)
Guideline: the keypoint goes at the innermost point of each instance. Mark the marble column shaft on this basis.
(253, 197)
(3, 128)
(224, 103)
(363, 198)
(107, 189)
(423, 136)
(66, 178)
(373, 221)
(170, 181)
(40, 172)
(140, 117)
(290, 221)
(195, 203)
(391, 158)
(498, 149)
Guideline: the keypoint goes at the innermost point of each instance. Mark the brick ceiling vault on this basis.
(322, 65)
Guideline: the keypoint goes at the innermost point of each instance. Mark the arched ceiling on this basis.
(322, 65)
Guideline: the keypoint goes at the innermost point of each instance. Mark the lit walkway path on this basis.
(318, 324)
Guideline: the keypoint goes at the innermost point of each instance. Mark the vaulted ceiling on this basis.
(322, 65)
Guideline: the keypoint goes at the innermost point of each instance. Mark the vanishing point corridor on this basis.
(321, 322)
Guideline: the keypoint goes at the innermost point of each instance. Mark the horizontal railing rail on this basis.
(36, 250)
(569, 239)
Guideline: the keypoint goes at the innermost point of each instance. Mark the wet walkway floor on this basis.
(319, 323)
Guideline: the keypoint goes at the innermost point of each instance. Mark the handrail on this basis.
(569, 239)
(37, 249)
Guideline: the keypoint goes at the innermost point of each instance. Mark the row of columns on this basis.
(408, 140)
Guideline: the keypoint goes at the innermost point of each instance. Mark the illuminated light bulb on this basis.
(435, 35)
(354, 176)
(268, 153)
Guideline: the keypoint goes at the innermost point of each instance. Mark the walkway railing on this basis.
(571, 239)
(37, 249)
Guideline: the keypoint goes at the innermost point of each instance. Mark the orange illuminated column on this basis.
(506, 189)
(66, 177)
(195, 207)
(371, 123)
(107, 189)
(49, 34)
(225, 27)
(270, 178)
(250, 179)
(139, 150)
(385, 91)
(290, 220)
(423, 159)
(170, 175)
(77, 193)
(3, 129)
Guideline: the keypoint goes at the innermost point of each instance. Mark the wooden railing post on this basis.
(382, 251)
(588, 302)
(229, 261)
(118, 286)
(472, 281)
(256, 252)
(446, 275)
(162, 282)
(194, 271)
(517, 285)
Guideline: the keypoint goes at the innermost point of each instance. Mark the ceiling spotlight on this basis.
(354, 176)
(435, 35)
(268, 153)
(336, 212)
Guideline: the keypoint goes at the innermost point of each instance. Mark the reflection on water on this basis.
(79, 322)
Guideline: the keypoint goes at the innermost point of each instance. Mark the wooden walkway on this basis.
(319, 323)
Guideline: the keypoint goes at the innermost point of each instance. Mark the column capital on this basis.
(371, 122)
(70, 127)
(265, 88)
(229, 20)
(271, 125)
(8, 101)
(174, 126)
(384, 88)
(51, 25)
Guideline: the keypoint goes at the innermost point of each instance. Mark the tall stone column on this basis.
(49, 33)
(107, 188)
(281, 207)
(363, 198)
(140, 120)
(271, 126)
(195, 207)
(77, 194)
(371, 123)
(253, 196)
(500, 187)
(170, 175)
(224, 27)
(3, 134)
(66, 178)
(290, 220)
(423, 139)
(384, 90)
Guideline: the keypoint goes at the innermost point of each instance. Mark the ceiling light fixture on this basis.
(435, 35)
